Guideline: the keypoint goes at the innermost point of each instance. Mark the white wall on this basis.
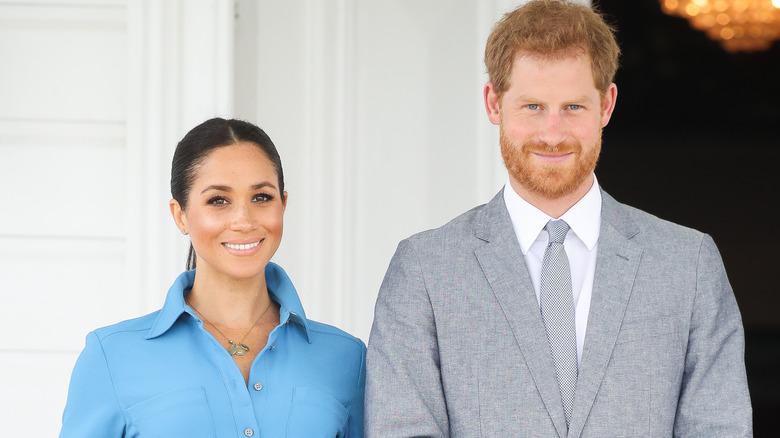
(375, 107)
(93, 96)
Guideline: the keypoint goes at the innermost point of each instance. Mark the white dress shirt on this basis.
(581, 244)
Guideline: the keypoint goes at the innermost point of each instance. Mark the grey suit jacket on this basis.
(458, 347)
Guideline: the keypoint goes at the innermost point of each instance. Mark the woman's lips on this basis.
(247, 248)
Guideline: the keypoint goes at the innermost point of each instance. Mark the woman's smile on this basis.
(243, 249)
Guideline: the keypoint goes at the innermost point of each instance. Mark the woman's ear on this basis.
(284, 201)
(178, 216)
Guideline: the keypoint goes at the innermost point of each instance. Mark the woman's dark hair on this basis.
(200, 141)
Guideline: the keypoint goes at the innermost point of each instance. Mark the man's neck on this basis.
(553, 207)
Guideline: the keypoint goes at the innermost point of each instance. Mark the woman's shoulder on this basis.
(139, 326)
(328, 334)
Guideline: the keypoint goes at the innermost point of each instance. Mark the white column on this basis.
(181, 73)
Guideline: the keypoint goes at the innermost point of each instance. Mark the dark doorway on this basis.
(694, 140)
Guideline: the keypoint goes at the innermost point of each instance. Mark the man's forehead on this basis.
(571, 53)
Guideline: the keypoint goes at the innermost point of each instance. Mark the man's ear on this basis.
(178, 216)
(608, 106)
(492, 104)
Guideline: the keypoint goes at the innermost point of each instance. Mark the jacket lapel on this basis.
(616, 267)
(503, 264)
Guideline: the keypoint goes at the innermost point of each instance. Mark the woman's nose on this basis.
(242, 219)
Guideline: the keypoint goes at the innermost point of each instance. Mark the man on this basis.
(554, 310)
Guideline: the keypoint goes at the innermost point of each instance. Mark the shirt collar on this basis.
(279, 285)
(584, 217)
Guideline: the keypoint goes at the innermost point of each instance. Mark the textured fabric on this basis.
(163, 375)
(458, 346)
(557, 307)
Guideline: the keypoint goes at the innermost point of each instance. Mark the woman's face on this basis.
(234, 212)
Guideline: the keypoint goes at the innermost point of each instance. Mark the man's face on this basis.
(550, 121)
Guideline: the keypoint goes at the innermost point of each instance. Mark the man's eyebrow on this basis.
(529, 98)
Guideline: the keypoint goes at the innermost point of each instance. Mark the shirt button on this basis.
(258, 386)
(249, 432)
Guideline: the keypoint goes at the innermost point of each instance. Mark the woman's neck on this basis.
(229, 302)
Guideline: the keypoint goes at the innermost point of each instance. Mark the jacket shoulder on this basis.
(462, 224)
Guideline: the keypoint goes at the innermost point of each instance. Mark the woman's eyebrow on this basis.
(264, 184)
(222, 188)
(216, 187)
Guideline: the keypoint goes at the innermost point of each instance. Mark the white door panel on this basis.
(94, 95)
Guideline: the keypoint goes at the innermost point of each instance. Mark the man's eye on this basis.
(533, 106)
(262, 197)
(217, 200)
(574, 107)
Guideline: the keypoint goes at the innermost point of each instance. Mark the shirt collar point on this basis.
(174, 305)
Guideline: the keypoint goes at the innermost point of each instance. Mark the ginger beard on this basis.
(551, 181)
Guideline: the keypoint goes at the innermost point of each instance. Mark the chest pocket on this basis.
(315, 414)
(184, 412)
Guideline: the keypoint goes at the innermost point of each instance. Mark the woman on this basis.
(231, 353)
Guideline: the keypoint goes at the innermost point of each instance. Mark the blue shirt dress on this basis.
(164, 375)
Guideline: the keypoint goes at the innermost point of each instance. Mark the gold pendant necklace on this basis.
(236, 348)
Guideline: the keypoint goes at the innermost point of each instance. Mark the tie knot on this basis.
(557, 230)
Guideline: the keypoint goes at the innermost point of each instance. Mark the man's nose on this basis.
(553, 130)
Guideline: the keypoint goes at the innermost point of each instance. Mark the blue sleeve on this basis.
(92, 409)
(355, 421)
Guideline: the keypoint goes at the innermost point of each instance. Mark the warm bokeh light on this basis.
(739, 25)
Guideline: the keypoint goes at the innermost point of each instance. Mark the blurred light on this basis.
(726, 21)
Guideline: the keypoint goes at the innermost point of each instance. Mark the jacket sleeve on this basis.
(92, 409)
(714, 398)
(404, 395)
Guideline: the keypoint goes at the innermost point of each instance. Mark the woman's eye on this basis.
(217, 200)
(262, 197)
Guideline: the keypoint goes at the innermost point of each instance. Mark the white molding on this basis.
(304, 99)
(47, 277)
(181, 73)
(47, 54)
(328, 147)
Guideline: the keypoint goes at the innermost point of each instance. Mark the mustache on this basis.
(565, 146)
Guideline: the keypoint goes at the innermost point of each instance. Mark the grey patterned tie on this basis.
(557, 306)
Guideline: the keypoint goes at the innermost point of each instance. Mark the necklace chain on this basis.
(236, 348)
